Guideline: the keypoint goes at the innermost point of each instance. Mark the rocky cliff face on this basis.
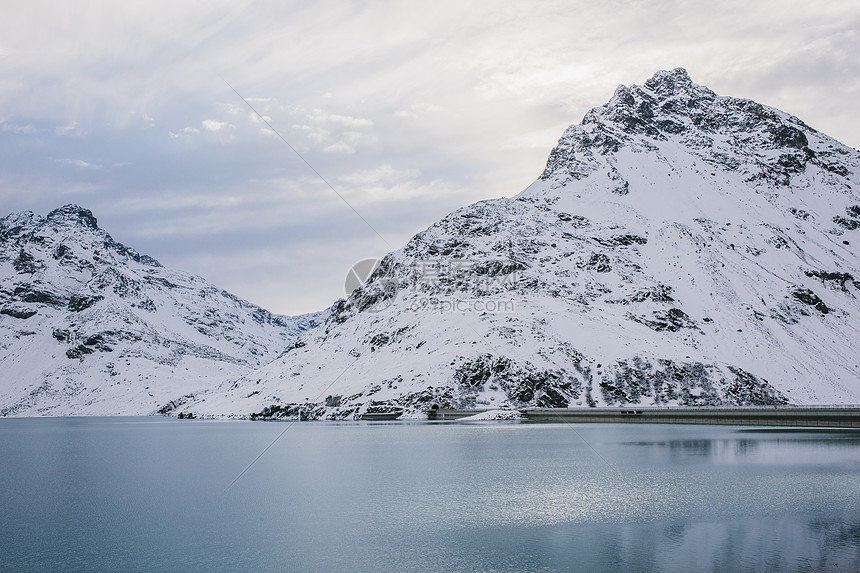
(89, 326)
(680, 247)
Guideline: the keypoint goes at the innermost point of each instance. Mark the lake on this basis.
(144, 494)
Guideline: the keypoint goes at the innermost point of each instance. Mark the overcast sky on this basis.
(408, 109)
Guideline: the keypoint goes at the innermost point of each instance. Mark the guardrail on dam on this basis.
(797, 416)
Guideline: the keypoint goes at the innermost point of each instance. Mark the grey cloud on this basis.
(77, 163)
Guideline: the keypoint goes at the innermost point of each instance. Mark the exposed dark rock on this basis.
(77, 303)
(790, 164)
(638, 380)
(24, 263)
(301, 412)
(18, 312)
(806, 296)
(788, 136)
(850, 224)
(621, 240)
(380, 339)
(383, 407)
(841, 279)
(441, 397)
(523, 385)
(79, 351)
(623, 188)
(94, 343)
(61, 251)
(671, 320)
(659, 293)
(576, 220)
(172, 405)
(749, 390)
(835, 168)
(801, 214)
(598, 262)
(495, 267)
(26, 293)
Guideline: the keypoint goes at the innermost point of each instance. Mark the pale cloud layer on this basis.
(410, 110)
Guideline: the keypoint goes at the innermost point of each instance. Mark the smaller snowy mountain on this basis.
(91, 327)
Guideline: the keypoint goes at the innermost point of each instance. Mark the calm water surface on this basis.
(144, 494)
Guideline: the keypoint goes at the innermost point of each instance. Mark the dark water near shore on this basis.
(144, 494)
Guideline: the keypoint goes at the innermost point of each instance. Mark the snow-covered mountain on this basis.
(681, 247)
(89, 326)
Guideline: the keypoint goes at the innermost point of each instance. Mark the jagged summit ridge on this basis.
(760, 142)
(75, 215)
(681, 248)
(65, 221)
(90, 326)
(669, 83)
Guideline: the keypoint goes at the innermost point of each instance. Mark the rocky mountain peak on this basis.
(730, 134)
(668, 83)
(662, 86)
(88, 325)
(74, 214)
(669, 105)
(72, 230)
